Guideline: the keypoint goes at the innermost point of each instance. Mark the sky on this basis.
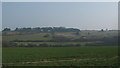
(81, 15)
(60, 0)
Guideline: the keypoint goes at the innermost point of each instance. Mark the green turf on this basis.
(90, 56)
(38, 36)
(60, 56)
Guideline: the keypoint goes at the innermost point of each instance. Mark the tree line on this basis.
(43, 29)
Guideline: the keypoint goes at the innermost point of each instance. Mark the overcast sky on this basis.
(82, 15)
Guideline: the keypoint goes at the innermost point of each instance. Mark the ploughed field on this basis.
(61, 56)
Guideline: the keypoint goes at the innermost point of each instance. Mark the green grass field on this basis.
(39, 36)
(70, 35)
(61, 56)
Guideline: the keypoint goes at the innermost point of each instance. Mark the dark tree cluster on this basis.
(7, 29)
(44, 29)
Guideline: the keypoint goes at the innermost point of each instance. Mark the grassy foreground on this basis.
(61, 56)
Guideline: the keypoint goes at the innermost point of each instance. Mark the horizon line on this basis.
(58, 26)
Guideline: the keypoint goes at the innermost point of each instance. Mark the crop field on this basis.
(88, 48)
(61, 56)
(63, 35)
(39, 36)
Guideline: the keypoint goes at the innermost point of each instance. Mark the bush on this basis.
(47, 35)
(8, 44)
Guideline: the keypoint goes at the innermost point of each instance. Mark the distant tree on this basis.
(47, 35)
(7, 29)
(45, 29)
(102, 30)
(37, 29)
(17, 29)
(106, 29)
